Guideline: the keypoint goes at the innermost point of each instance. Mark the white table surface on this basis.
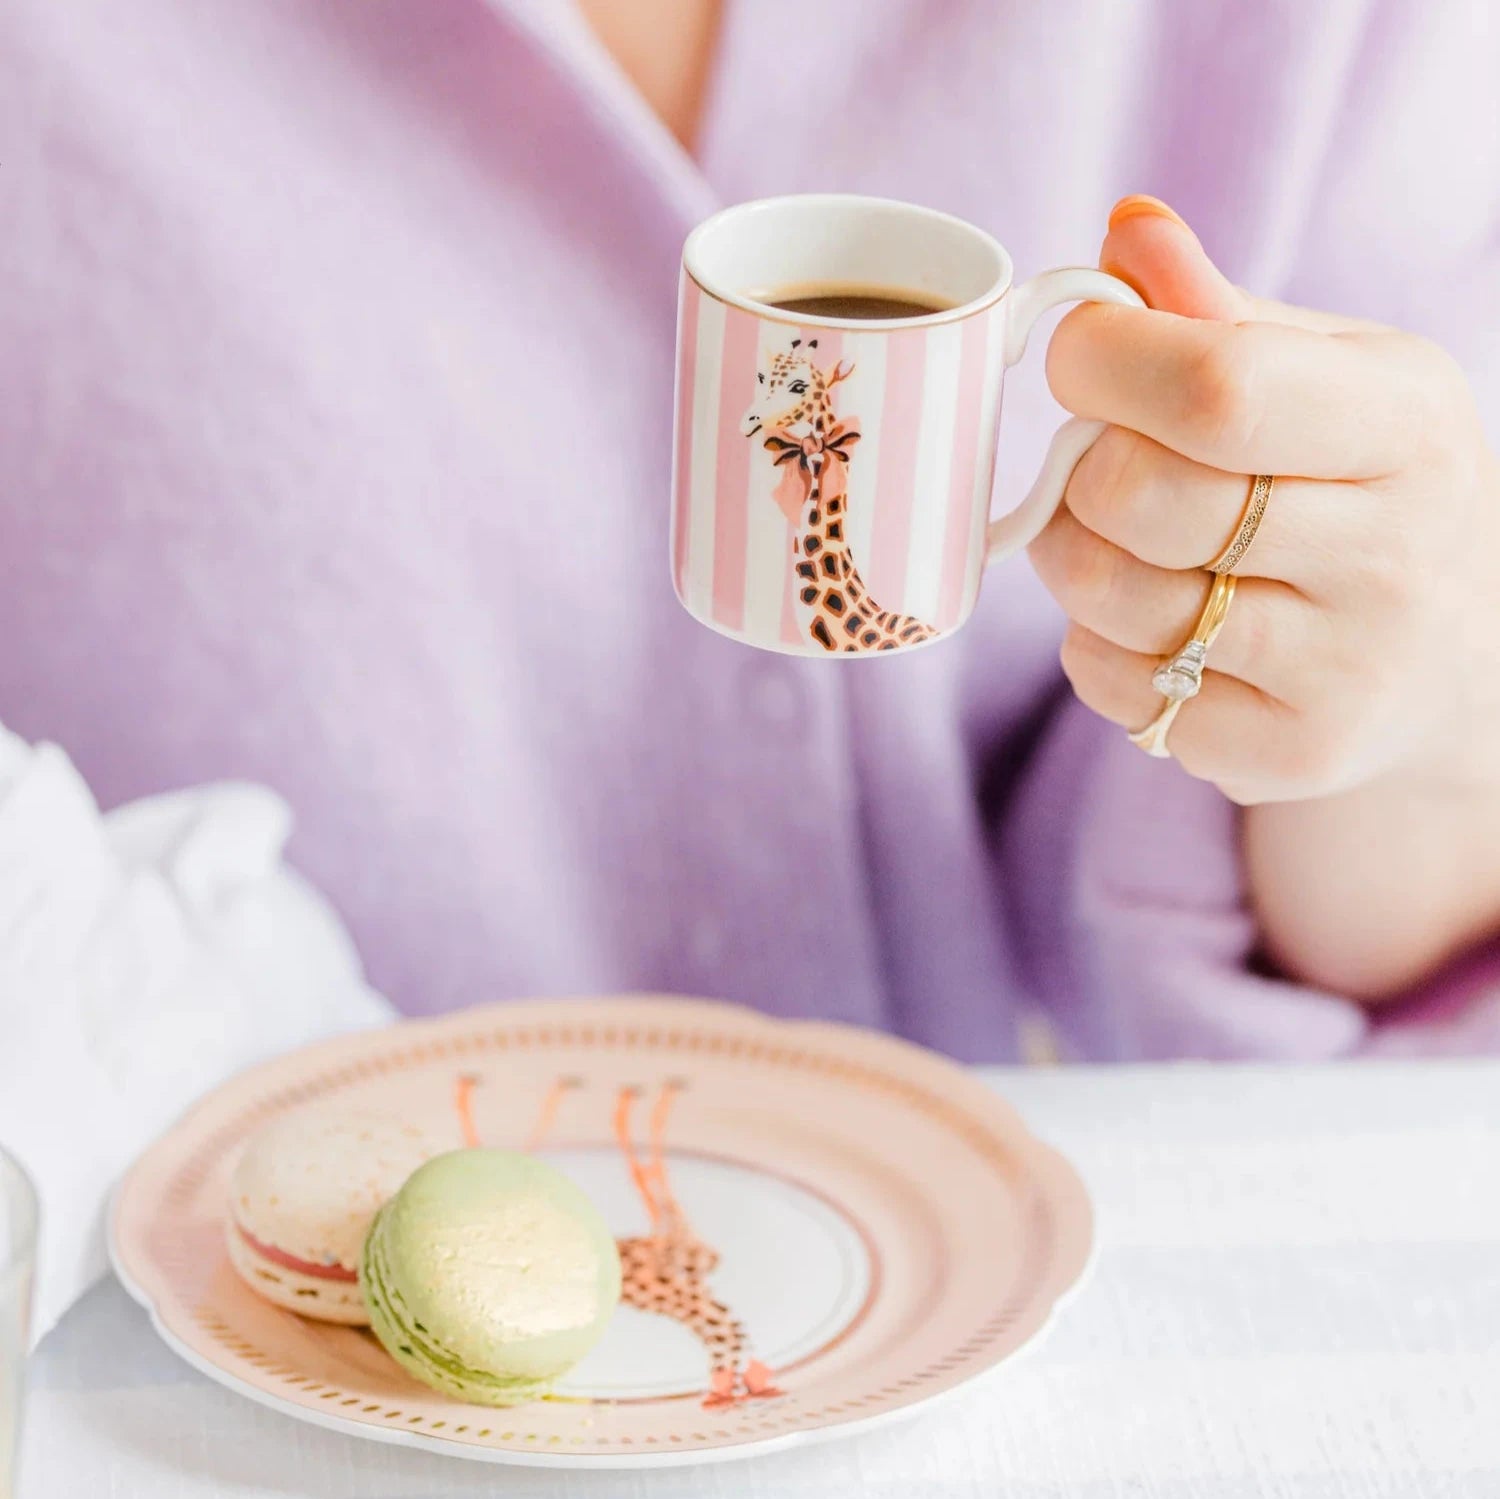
(1298, 1293)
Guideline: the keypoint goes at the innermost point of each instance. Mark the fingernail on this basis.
(1138, 204)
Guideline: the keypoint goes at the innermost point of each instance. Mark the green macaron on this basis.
(489, 1275)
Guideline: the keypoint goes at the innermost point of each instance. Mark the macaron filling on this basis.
(291, 1262)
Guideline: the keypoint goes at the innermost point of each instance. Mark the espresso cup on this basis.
(833, 475)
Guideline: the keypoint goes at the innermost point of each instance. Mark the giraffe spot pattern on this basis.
(664, 1276)
(819, 549)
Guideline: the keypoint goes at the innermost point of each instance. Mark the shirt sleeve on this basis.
(1135, 935)
(144, 955)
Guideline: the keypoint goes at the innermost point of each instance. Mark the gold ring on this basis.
(1255, 510)
(1153, 738)
(1180, 677)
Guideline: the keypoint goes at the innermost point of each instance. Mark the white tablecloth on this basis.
(1298, 1293)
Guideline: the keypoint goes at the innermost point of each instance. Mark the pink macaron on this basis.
(301, 1200)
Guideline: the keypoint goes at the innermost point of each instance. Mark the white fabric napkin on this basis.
(145, 954)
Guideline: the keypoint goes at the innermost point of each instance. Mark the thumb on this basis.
(1150, 247)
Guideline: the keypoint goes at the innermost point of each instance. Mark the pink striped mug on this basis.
(831, 491)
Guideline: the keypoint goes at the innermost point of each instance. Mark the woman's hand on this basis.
(1358, 671)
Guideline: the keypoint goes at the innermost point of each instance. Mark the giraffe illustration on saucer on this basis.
(794, 417)
(666, 1271)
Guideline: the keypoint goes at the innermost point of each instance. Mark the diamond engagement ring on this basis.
(1180, 677)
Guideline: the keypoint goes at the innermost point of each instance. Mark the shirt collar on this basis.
(567, 43)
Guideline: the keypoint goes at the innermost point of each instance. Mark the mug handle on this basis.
(1021, 526)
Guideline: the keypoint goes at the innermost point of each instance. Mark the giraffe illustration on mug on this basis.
(794, 417)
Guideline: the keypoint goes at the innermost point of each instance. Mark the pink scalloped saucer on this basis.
(870, 1227)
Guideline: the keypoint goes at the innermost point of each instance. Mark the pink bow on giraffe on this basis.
(795, 454)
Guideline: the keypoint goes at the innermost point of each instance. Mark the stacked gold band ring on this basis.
(1180, 677)
(1255, 510)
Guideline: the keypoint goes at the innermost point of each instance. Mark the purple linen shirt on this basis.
(335, 404)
